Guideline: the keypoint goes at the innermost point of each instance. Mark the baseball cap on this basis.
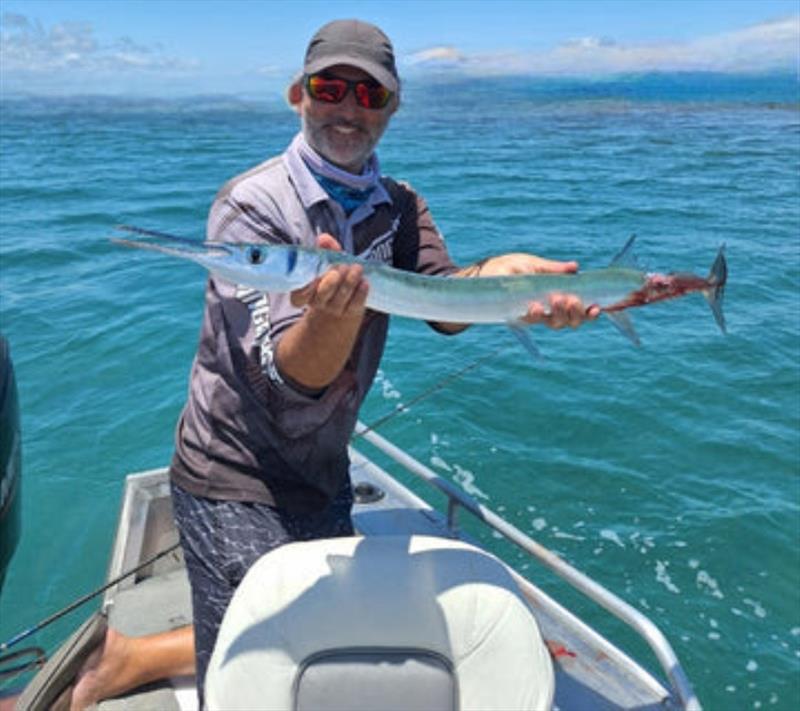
(356, 43)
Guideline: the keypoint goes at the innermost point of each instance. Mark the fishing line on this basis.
(438, 385)
(402, 407)
(82, 600)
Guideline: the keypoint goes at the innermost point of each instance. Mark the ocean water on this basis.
(670, 473)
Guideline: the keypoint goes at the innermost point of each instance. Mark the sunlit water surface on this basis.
(669, 473)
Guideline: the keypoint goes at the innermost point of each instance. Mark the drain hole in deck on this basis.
(366, 493)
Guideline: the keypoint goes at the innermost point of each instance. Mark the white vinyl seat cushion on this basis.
(369, 616)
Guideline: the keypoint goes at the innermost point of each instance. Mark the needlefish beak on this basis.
(175, 246)
(201, 252)
(256, 266)
(221, 259)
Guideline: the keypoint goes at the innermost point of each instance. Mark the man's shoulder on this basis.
(399, 190)
(265, 176)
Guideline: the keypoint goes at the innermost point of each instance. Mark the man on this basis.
(261, 446)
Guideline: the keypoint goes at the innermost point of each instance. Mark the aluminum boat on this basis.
(590, 671)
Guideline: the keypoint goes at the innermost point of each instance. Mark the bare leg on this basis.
(122, 663)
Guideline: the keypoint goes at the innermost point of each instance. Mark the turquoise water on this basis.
(671, 473)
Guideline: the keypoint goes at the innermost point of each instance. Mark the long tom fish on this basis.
(496, 299)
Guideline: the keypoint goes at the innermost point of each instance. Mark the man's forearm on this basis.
(314, 350)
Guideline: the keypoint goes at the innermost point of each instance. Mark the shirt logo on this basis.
(381, 248)
(258, 304)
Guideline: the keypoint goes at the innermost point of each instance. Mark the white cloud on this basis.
(436, 55)
(28, 50)
(773, 45)
(590, 42)
(73, 58)
(273, 71)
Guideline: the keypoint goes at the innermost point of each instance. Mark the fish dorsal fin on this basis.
(625, 257)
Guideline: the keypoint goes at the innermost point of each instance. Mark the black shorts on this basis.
(222, 539)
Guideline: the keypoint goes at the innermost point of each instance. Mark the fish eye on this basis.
(255, 255)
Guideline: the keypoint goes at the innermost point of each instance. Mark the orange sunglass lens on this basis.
(372, 96)
(330, 90)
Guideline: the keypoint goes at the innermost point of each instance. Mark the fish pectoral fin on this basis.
(625, 326)
(520, 330)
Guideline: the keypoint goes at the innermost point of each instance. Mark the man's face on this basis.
(345, 133)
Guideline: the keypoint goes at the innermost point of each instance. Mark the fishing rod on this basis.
(37, 659)
(400, 408)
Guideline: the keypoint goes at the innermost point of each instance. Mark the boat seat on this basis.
(379, 623)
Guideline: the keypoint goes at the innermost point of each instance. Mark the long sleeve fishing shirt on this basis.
(246, 432)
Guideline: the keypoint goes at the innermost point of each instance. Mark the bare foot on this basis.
(123, 663)
(8, 703)
(99, 676)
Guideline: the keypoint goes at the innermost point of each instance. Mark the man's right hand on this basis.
(341, 292)
(314, 350)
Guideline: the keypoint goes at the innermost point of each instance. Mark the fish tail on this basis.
(715, 292)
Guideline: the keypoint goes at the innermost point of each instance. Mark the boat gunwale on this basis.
(681, 688)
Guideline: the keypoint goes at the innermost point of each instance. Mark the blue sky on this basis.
(254, 46)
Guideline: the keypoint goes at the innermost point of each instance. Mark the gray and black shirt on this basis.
(246, 433)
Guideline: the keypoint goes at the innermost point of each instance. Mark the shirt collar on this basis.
(310, 191)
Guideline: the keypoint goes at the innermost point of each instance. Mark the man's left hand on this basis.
(562, 309)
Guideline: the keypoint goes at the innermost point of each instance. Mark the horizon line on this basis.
(414, 80)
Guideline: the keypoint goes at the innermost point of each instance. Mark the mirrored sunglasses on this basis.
(369, 93)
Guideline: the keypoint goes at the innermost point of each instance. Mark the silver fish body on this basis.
(500, 299)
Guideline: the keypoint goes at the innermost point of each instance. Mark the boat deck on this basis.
(594, 674)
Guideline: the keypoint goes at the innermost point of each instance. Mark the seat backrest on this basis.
(379, 622)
